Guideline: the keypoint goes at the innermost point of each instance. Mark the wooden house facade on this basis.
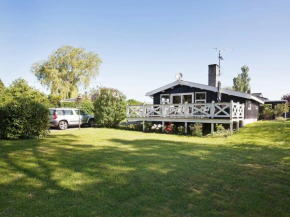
(189, 102)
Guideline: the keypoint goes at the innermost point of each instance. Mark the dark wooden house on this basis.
(189, 102)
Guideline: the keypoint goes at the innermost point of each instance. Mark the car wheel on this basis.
(92, 123)
(62, 125)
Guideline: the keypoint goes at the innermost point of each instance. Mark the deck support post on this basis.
(143, 126)
(231, 128)
(185, 127)
(162, 126)
(238, 125)
(212, 128)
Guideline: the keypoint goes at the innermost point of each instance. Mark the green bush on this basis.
(280, 109)
(23, 112)
(109, 107)
(221, 131)
(23, 119)
(268, 113)
(265, 111)
(180, 130)
(196, 129)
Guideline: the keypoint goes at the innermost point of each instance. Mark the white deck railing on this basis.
(229, 110)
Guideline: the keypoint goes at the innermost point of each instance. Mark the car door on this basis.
(85, 117)
(77, 117)
(70, 117)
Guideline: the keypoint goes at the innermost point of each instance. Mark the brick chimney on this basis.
(213, 73)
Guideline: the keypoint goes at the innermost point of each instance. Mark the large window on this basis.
(200, 97)
(182, 98)
(164, 98)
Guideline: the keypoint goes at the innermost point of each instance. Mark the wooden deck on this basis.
(222, 113)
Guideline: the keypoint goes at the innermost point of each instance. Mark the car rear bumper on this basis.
(54, 123)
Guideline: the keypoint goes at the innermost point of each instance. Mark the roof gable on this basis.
(205, 87)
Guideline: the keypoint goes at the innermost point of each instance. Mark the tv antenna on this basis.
(178, 76)
(220, 56)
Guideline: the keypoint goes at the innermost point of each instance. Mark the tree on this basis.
(133, 102)
(2, 86)
(109, 107)
(66, 70)
(286, 97)
(267, 113)
(20, 88)
(280, 109)
(242, 81)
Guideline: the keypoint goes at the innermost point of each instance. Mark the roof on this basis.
(205, 87)
(281, 101)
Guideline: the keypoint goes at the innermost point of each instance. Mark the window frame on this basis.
(182, 94)
(200, 100)
(161, 102)
(249, 105)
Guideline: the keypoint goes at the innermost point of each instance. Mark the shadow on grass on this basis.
(58, 176)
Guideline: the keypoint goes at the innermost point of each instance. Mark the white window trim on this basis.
(200, 100)
(164, 95)
(181, 94)
(249, 105)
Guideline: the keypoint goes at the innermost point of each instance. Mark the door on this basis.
(70, 117)
(78, 117)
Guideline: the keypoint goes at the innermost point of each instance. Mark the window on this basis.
(68, 112)
(187, 98)
(60, 112)
(200, 97)
(249, 105)
(164, 98)
(78, 112)
(182, 98)
(176, 99)
(51, 111)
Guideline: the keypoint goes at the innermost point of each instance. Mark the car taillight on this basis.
(55, 116)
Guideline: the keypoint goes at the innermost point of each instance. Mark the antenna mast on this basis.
(220, 56)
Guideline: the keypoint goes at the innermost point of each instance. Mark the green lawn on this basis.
(108, 172)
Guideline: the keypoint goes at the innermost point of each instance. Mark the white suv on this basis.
(64, 117)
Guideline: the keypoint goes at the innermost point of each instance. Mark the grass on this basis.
(108, 172)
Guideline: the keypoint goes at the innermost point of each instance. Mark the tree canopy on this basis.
(2, 86)
(133, 102)
(66, 70)
(286, 97)
(110, 107)
(242, 81)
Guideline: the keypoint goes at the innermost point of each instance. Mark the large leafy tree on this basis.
(286, 97)
(2, 86)
(242, 81)
(66, 70)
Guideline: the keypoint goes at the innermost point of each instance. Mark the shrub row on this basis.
(170, 128)
(23, 112)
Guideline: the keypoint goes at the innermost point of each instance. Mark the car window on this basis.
(78, 111)
(60, 112)
(68, 112)
(51, 111)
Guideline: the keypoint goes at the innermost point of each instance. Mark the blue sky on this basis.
(143, 44)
